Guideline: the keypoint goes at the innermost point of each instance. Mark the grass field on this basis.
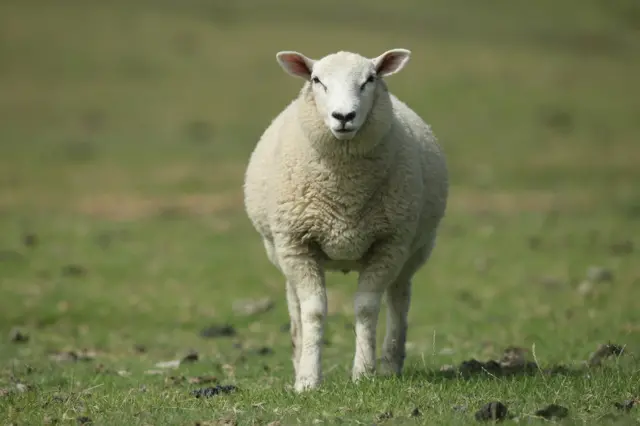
(125, 128)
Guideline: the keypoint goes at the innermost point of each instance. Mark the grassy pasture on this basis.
(125, 128)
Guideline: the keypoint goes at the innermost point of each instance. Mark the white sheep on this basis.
(347, 178)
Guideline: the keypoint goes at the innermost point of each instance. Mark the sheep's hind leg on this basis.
(398, 303)
(393, 347)
(367, 307)
(293, 304)
(294, 315)
(384, 266)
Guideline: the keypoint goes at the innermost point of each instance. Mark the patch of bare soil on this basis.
(125, 207)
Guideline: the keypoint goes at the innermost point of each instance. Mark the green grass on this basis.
(125, 128)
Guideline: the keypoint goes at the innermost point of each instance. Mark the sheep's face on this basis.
(344, 84)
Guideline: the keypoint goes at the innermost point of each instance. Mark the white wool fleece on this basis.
(362, 192)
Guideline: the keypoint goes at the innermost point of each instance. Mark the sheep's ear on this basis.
(295, 64)
(391, 61)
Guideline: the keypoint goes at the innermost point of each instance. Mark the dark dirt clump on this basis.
(605, 351)
(263, 351)
(512, 362)
(626, 405)
(191, 356)
(385, 416)
(30, 240)
(493, 411)
(18, 336)
(74, 270)
(622, 248)
(224, 330)
(138, 348)
(553, 411)
(213, 390)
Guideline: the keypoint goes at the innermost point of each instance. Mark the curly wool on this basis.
(390, 178)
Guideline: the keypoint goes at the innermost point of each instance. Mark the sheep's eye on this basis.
(315, 80)
(369, 80)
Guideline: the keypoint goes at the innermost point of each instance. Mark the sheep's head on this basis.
(343, 84)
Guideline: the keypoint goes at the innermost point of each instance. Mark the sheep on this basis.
(347, 178)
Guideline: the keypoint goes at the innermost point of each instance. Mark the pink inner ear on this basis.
(296, 64)
(390, 62)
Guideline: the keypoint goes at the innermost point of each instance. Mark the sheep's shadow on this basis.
(513, 363)
(474, 370)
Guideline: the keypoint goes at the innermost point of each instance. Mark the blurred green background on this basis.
(126, 126)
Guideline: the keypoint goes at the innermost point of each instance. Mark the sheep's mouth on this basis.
(343, 134)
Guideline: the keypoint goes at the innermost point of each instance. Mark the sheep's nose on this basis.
(344, 117)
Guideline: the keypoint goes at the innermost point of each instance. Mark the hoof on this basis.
(389, 368)
(304, 384)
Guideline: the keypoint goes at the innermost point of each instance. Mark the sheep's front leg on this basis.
(393, 347)
(306, 288)
(381, 270)
(313, 311)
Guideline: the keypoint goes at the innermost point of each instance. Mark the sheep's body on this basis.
(370, 204)
(345, 203)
